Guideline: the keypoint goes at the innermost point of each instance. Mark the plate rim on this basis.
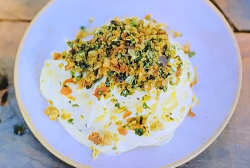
(184, 160)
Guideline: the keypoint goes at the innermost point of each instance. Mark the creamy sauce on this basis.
(89, 116)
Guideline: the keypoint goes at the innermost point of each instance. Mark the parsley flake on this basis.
(132, 23)
(139, 131)
(117, 105)
(75, 105)
(70, 44)
(83, 28)
(145, 106)
(72, 73)
(191, 54)
(71, 121)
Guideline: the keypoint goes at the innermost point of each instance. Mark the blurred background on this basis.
(230, 150)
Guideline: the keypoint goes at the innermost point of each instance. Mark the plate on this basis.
(217, 58)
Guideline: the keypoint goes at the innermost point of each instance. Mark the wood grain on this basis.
(20, 9)
(11, 34)
(243, 40)
(238, 11)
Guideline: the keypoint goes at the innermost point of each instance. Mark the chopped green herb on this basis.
(132, 23)
(60, 83)
(129, 79)
(125, 92)
(100, 32)
(83, 28)
(97, 46)
(173, 46)
(18, 129)
(88, 86)
(138, 98)
(114, 148)
(141, 118)
(75, 105)
(136, 113)
(117, 105)
(191, 54)
(78, 78)
(99, 98)
(164, 89)
(139, 131)
(151, 54)
(72, 73)
(107, 83)
(97, 80)
(171, 82)
(133, 41)
(100, 92)
(81, 117)
(80, 130)
(145, 106)
(69, 101)
(70, 44)
(71, 121)
(86, 125)
(119, 55)
(91, 20)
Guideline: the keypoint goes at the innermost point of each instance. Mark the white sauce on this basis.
(182, 94)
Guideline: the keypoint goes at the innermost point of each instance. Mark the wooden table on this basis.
(230, 150)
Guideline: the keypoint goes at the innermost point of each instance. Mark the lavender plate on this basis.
(217, 58)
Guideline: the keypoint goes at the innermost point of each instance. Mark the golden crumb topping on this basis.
(130, 54)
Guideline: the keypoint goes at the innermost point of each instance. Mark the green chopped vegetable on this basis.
(71, 121)
(125, 92)
(75, 105)
(97, 46)
(88, 86)
(132, 23)
(91, 20)
(83, 28)
(164, 89)
(139, 131)
(117, 105)
(129, 79)
(145, 106)
(70, 44)
(111, 73)
(78, 78)
(72, 73)
(114, 148)
(191, 54)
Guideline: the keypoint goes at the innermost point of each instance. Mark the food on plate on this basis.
(128, 86)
